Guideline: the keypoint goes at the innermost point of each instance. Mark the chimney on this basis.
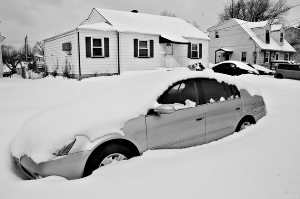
(134, 11)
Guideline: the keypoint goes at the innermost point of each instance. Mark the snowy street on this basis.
(261, 161)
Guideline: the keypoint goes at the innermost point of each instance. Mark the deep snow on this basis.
(261, 161)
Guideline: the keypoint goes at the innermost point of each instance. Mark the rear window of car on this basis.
(214, 91)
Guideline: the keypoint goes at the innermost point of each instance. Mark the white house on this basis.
(253, 42)
(1, 62)
(110, 42)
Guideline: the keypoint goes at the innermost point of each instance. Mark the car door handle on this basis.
(237, 108)
(199, 119)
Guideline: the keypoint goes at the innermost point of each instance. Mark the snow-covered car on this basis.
(234, 68)
(159, 110)
(262, 70)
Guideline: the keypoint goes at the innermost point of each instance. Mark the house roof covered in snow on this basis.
(171, 28)
(276, 27)
(273, 45)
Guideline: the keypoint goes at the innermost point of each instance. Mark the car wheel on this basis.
(244, 124)
(279, 76)
(107, 154)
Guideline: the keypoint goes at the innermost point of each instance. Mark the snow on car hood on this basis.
(103, 113)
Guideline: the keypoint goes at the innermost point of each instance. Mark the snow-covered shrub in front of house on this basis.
(196, 66)
(103, 113)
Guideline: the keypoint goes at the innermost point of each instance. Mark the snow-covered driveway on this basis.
(261, 161)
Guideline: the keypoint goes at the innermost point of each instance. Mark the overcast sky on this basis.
(39, 19)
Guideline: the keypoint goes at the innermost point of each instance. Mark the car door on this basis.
(183, 128)
(223, 107)
(296, 72)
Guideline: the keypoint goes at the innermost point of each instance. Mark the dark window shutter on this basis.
(189, 50)
(265, 56)
(200, 50)
(106, 46)
(135, 43)
(88, 47)
(151, 48)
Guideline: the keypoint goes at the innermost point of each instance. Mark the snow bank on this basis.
(103, 113)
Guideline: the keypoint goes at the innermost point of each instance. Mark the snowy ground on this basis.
(261, 161)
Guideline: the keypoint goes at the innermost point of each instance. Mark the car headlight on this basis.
(65, 150)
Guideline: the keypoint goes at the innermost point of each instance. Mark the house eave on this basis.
(59, 34)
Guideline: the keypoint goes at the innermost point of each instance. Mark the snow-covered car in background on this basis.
(234, 68)
(262, 70)
(160, 110)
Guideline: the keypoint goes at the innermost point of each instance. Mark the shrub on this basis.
(196, 66)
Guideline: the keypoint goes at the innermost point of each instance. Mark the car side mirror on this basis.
(165, 109)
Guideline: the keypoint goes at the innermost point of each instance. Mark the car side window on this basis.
(235, 91)
(180, 92)
(214, 91)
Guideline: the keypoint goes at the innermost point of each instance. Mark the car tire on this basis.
(279, 76)
(107, 154)
(243, 124)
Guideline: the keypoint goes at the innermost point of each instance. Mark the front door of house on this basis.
(226, 56)
(169, 48)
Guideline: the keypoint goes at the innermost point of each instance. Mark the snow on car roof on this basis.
(103, 113)
(240, 65)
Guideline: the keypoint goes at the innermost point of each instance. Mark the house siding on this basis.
(105, 65)
(95, 17)
(181, 50)
(55, 56)
(127, 59)
(233, 37)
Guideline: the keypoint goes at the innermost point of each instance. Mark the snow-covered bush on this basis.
(66, 70)
(196, 66)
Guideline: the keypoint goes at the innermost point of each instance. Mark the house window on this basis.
(277, 56)
(244, 56)
(286, 56)
(195, 51)
(267, 56)
(267, 36)
(143, 48)
(97, 47)
(217, 34)
(281, 37)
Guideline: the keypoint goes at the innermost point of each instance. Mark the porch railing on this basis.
(171, 63)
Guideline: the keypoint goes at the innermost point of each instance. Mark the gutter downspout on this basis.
(119, 67)
(78, 49)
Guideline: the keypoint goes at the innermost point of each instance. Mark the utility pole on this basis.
(26, 48)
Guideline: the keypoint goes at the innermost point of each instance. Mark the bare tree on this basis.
(11, 57)
(171, 14)
(168, 13)
(255, 10)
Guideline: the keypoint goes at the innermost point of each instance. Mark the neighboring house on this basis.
(253, 42)
(292, 35)
(110, 42)
(1, 61)
(39, 59)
